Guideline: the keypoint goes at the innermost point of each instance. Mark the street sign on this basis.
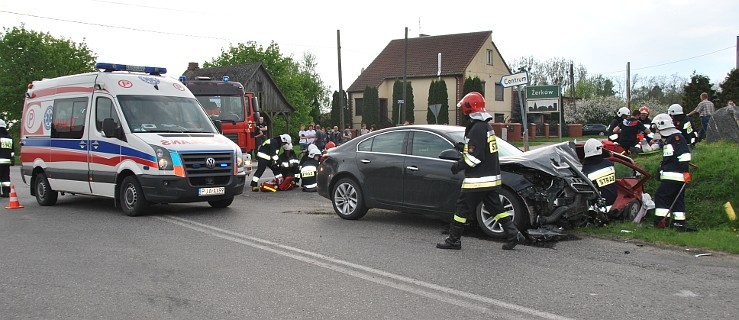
(516, 79)
(542, 92)
(435, 109)
(542, 106)
(401, 101)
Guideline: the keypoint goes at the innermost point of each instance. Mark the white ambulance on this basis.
(127, 133)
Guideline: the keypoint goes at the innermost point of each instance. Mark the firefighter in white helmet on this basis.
(481, 165)
(682, 123)
(600, 171)
(673, 176)
(621, 114)
(309, 169)
(267, 156)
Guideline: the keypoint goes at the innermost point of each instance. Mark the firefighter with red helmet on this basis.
(267, 156)
(480, 163)
(673, 175)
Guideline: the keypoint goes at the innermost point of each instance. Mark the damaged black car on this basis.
(407, 168)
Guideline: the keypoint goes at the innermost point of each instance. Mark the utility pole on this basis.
(405, 73)
(628, 85)
(341, 89)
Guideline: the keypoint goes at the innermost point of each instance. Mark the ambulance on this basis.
(127, 133)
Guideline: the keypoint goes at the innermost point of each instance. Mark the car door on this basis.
(105, 152)
(380, 162)
(428, 183)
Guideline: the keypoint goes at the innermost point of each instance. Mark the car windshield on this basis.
(164, 114)
(504, 148)
(224, 108)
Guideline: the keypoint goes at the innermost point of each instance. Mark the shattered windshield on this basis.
(164, 114)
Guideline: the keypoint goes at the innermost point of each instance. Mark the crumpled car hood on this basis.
(552, 159)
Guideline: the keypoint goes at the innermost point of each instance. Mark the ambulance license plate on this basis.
(212, 191)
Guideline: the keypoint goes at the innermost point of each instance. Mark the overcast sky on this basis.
(658, 37)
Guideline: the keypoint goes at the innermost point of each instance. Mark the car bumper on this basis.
(168, 189)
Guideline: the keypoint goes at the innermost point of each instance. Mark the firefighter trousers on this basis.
(469, 200)
(667, 192)
(262, 165)
(5, 179)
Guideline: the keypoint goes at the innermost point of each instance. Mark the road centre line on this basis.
(403, 283)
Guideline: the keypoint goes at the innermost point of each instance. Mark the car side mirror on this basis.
(450, 154)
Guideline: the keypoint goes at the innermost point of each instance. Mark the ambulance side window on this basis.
(68, 118)
(104, 109)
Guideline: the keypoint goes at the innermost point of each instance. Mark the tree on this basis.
(371, 106)
(729, 88)
(298, 80)
(438, 95)
(397, 95)
(410, 103)
(472, 85)
(336, 110)
(27, 55)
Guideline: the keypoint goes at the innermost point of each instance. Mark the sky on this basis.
(657, 37)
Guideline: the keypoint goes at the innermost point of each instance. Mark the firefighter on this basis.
(267, 156)
(628, 132)
(481, 167)
(621, 115)
(682, 123)
(289, 168)
(309, 169)
(600, 171)
(7, 158)
(673, 176)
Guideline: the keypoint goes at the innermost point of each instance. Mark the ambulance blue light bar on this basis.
(109, 67)
(226, 78)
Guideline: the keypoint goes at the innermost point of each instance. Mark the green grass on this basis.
(714, 183)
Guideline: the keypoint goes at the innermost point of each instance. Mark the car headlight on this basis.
(240, 161)
(164, 158)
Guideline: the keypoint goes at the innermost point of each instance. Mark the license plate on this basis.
(212, 191)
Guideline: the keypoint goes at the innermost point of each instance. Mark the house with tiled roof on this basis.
(255, 79)
(452, 58)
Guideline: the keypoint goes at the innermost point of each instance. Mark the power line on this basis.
(676, 61)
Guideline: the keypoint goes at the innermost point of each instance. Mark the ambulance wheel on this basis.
(221, 203)
(513, 205)
(132, 198)
(44, 195)
(348, 200)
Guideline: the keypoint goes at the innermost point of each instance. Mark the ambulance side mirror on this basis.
(219, 125)
(111, 129)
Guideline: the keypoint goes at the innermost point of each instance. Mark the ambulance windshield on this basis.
(164, 114)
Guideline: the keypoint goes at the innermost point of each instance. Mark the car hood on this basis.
(556, 159)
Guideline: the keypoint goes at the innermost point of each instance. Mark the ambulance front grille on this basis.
(198, 172)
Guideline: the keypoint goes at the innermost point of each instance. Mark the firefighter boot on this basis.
(513, 236)
(254, 187)
(681, 226)
(454, 240)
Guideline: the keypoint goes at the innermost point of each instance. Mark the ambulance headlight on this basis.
(240, 160)
(164, 158)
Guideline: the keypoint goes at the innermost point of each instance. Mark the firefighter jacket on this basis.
(7, 154)
(629, 129)
(288, 163)
(603, 175)
(308, 171)
(675, 158)
(270, 149)
(683, 124)
(480, 158)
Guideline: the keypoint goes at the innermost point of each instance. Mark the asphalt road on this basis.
(286, 255)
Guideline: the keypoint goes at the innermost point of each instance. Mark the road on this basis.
(286, 255)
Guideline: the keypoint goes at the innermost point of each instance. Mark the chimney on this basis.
(192, 66)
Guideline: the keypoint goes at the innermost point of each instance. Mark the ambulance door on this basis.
(105, 152)
(67, 170)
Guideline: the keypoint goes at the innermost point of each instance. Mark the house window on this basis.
(499, 92)
(499, 118)
(490, 57)
(483, 87)
(358, 105)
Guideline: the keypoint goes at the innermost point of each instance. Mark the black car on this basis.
(593, 129)
(400, 169)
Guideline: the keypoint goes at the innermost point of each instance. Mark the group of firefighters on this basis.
(288, 171)
(674, 135)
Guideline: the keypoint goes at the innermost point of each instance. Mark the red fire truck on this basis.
(227, 101)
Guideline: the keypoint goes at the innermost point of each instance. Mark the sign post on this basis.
(519, 80)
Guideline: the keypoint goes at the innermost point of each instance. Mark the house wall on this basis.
(491, 74)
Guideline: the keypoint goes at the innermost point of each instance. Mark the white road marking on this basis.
(407, 284)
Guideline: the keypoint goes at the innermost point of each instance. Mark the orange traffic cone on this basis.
(14, 204)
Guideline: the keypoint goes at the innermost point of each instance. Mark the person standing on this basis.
(264, 129)
(302, 137)
(321, 138)
(628, 131)
(600, 171)
(673, 176)
(267, 156)
(705, 110)
(480, 163)
(363, 129)
(7, 158)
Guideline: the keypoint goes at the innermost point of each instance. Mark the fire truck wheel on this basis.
(132, 198)
(221, 203)
(44, 195)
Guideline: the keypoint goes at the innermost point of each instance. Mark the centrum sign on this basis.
(516, 79)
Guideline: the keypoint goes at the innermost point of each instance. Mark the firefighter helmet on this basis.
(313, 151)
(471, 103)
(663, 121)
(675, 109)
(330, 145)
(643, 110)
(2, 124)
(624, 111)
(285, 138)
(288, 146)
(593, 147)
